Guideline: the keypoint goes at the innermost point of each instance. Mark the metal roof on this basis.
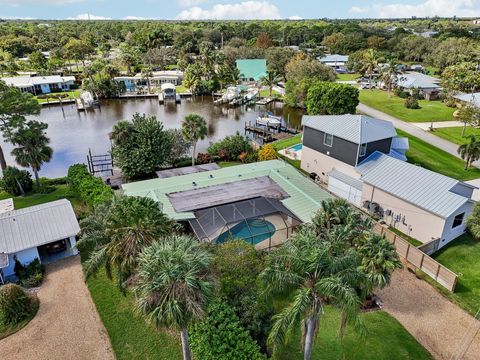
(252, 68)
(304, 199)
(28, 81)
(6, 205)
(424, 188)
(359, 129)
(469, 98)
(334, 58)
(186, 170)
(37, 225)
(355, 183)
(413, 79)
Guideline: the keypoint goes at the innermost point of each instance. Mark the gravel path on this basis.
(66, 326)
(438, 324)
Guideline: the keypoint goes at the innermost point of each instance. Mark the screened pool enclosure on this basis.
(261, 221)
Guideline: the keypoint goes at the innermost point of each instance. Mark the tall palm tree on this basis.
(370, 61)
(389, 75)
(470, 151)
(147, 74)
(271, 80)
(313, 272)
(172, 287)
(118, 234)
(32, 147)
(194, 128)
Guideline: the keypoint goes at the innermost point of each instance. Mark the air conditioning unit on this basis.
(388, 212)
(366, 204)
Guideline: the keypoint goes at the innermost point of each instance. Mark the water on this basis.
(253, 231)
(73, 133)
(297, 147)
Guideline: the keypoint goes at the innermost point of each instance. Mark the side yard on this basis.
(454, 134)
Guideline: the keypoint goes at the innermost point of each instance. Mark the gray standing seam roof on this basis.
(424, 188)
(355, 183)
(359, 129)
(37, 225)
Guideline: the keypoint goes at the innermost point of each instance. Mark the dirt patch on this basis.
(67, 325)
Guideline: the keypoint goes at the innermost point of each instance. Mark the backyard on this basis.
(54, 96)
(394, 106)
(347, 77)
(454, 134)
(430, 157)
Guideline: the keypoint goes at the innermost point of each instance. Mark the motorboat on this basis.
(268, 120)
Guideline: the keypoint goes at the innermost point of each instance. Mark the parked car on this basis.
(367, 85)
(56, 246)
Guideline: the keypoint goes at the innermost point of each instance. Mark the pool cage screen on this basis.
(260, 221)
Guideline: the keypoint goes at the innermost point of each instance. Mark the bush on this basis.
(30, 275)
(221, 336)
(267, 152)
(325, 98)
(14, 178)
(412, 103)
(16, 305)
(229, 148)
(87, 187)
(400, 93)
(202, 158)
(251, 157)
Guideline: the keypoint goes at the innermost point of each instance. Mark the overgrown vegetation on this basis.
(30, 275)
(88, 188)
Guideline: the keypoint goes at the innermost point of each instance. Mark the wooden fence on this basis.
(419, 259)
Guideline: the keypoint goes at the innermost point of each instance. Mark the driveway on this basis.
(67, 325)
(440, 326)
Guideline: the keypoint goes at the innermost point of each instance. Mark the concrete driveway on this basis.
(67, 325)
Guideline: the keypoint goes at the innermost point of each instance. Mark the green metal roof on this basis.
(252, 68)
(304, 199)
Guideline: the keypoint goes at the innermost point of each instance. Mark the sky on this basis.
(234, 9)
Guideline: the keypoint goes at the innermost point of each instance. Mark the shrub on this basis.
(267, 152)
(251, 157)
(202, 158)
(30, 275)
(325, 98)
(230, 147)
(221, 336)
(400, 93)
(14, 178)
(15, 304)
(412, 103)
(87, 187)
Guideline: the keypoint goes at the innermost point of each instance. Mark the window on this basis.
(363, 150)
(458, 220)
(328, 139)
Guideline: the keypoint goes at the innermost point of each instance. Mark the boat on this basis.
(268, 121)
(251, 95)
(87, 99)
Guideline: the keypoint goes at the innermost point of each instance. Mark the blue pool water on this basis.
(252, 231)
(297, 147)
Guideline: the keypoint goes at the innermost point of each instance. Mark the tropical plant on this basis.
(230, 147)
(91, 189)
(16, 182)
(411, 102)
(470, 151)
(118, 234)
(147, 74)
(172, 286)
(473, 222)
(194, 128)
(270, 80)
(16, 304)
(369, 62)
(267, 152)
(389, 74)
(180, 146)
(32, 147)
(469, 115)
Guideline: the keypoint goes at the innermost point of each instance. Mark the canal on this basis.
(73, 133)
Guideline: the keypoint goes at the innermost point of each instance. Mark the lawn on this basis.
(432, 158)
(454, 134)
(462, 257)
(347, 77)
(285, 143)
(430, 110)
(181, 89)
(410, 239)
(266, 93)
(224, 164)
(54, 96)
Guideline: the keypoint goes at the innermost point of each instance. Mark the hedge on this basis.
(87, 187)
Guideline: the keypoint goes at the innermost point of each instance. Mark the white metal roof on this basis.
(334, 58)
(347, 179)
(359, 129)
(424, 188)
(414, 79)
(37, 225)
(28, 81)
(469, 98)
(6, 205)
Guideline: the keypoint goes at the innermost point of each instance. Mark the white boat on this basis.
(268, 120)
(87, 99)
(251, 94)
(231, 93)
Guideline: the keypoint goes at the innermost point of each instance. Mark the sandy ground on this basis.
(438, 324)
(67, 325)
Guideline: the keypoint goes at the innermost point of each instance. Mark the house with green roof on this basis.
(261, 203)
(252, 69)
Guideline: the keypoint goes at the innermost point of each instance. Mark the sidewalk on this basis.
(438, 124)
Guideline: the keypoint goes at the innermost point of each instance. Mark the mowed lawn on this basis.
(61, 192)
(395, 106)
(454, 134)
(430, 157)
(462, 257)
(347, 77)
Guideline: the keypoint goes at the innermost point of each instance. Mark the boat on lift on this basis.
(269, 120)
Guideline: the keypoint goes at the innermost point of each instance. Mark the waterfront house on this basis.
(41, 84)
(251, 70)
(362, 160)
(337, 62)
(157, 79)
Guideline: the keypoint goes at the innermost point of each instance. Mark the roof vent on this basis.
(211, 176)
(194, 183)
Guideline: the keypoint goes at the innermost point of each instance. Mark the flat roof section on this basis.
(164, 174)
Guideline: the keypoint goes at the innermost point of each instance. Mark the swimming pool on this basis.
(252, 231)
(297, 147)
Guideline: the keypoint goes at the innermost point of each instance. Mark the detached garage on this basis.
(345, 186)
(46, 232)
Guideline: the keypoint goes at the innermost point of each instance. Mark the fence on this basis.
(419, 259)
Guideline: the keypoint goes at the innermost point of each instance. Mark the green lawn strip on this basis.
(31, 199)
(395, 106)
(410, 239)
(285, 143)
(430, 157)
(266, 93)
(54, 96)
(347, 77)
(454, 134)
(385, 338)
(181, 89)
(224, 164)
(462, 257)
(131, 336)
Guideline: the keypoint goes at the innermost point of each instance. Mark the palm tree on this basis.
(194, 128)
(234, 75)
(119, 232)
(172, 287)
(311, 271)
(389, 75)
(147, 74)
(470, 151)
(370, 61)
(270, 80)
(32, 146)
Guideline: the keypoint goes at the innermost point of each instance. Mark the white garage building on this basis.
(46, 232)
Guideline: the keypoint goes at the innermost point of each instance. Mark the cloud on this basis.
(190, 3)
(428, 8)
(87, 16)
(295, 17)
(247, 10)
(132, 17)
(39, 2)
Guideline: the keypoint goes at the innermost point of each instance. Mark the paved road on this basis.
(67, 325)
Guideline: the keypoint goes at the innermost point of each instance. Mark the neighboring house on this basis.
(46, 232)
(428, 86)
(473, 98)
(251, 70)
(428, 33)
(41, 84)
(362, 160)
(158, 78)
(337, 62)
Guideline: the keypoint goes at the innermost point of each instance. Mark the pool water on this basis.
(297, 147)
(252, 231)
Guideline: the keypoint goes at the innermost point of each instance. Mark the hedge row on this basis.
(87, 187)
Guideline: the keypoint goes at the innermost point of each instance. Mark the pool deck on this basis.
(291, 153)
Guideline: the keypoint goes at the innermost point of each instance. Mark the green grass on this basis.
(462, 257)
(54, 96)
(385, 339)
(347, 77)
(285, 143)
(181, 89)
(404, 236)
(430, 110)
(224, 164)
(7, 330)
(266, 93)
(31, 199)
(454, 134)
(432, 158)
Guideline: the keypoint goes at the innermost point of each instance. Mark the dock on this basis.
(80, 104)
(265, 101)
(270, 133)
(57, 102)
(135, 96)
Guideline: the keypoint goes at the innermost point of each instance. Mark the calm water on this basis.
(73, 133)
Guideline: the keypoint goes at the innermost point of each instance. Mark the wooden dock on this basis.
(271, 132)
(265, 101)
